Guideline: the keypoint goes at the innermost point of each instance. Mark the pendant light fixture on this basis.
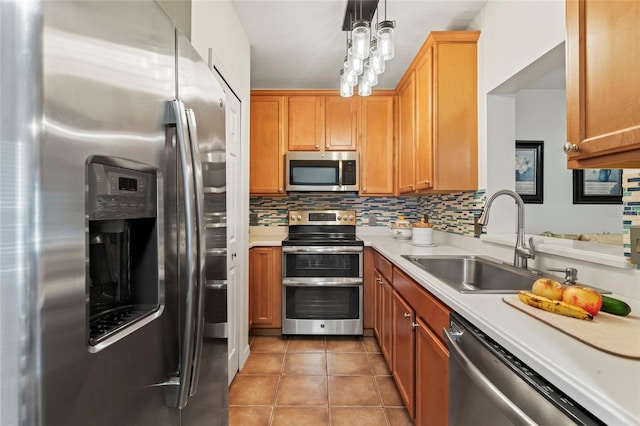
(367, 48)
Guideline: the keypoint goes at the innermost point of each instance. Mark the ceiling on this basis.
(299, 44)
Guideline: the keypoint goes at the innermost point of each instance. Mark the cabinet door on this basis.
(368, 288)
(376, 145)
(603, 87)
(406, 137)
(340, 123)
(432, 378)
(404, 351)
(455, 116)
(377, 306)
(266, 169)
(265, 287)
(386, 319)
(305, 123)
(424, 118)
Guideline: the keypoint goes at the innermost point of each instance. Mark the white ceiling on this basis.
(299, 44)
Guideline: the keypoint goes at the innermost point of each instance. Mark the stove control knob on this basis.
(293, 217)
(339, 217)
(350, 217)
(299, 217)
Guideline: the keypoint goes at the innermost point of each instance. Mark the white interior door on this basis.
(234, 294)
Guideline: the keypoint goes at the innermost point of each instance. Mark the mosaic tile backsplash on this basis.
(448, 212)
(631, 208)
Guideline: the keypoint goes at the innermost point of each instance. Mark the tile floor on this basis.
(308, 381)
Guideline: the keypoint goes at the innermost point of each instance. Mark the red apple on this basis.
(584, 297)
(548, 288)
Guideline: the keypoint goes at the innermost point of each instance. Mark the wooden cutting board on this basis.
(609, 333)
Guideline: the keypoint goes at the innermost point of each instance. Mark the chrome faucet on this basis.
(522, 252)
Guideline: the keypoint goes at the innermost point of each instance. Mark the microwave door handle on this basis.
(184, 159)
(340, 172)
(200, 241)
(506, 406)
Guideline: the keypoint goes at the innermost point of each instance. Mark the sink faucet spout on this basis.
(521, 252)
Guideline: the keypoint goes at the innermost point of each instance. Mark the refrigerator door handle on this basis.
(179, 387)
(200, 294)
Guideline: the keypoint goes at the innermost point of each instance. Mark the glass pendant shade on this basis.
(356, 65)
(364, 88)
(369, 75)
(384, 35)
(346, 89)
(351, 79)
(360, 36)
(375, 60)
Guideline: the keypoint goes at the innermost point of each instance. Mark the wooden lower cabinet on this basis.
(386, 325)
(404, 355)
(432, 378)
(265, 287)
(369, 286)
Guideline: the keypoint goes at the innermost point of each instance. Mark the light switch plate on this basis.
(634, 236)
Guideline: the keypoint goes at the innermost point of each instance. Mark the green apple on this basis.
(546, 287)
(583, 297)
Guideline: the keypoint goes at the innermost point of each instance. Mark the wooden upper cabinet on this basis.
(305, 127)
(267, 133)
(340, 123)
(376, 145)
(443, 119)
(406, 135)
(424, 125)
(603, 83)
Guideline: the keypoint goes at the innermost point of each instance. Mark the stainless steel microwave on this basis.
(322, 171)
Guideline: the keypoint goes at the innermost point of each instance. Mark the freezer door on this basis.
(203, 98)
(108, 71)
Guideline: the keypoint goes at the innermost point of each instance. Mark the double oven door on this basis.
(322, 290)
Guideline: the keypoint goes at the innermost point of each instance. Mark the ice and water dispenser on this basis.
(122, 238)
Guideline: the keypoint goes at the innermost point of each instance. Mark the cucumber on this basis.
(615, 306)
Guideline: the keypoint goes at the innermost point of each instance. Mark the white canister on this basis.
(422, 236)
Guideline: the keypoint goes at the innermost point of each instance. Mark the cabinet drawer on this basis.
(433, 312)
(383, 265)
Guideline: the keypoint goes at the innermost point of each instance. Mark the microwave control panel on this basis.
(348, 172)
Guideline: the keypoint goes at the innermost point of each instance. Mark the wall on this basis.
(180, 12)
(631, 203)
(541, 115)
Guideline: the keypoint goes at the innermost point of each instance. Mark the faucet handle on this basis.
(532, 247)
(570, 274)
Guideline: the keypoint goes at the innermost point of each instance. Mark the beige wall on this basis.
(180, 12)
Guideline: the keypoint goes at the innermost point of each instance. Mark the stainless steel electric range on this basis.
(322, 276)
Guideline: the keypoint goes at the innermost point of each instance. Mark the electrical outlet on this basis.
(253, 219)
(634, 236)
(372, 219)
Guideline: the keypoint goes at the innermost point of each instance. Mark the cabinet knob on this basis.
(364, 189)
(407, 315)
(316, 146)
(427, 182)
(326, 147)
(280, 190)
(410, 186)
(570, 147)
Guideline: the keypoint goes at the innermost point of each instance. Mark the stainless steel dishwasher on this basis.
(490, 386)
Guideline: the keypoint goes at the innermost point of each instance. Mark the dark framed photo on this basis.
(529, 171)
(597, 186)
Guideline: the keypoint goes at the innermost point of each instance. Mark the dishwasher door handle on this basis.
(508, 408)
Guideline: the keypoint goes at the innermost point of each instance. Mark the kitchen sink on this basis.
(475, 274)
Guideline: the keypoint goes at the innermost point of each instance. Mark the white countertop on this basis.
(606, 385)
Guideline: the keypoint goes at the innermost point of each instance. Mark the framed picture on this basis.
(529, 169)
(597, 186)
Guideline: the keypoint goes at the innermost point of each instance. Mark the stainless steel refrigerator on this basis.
(110, 125)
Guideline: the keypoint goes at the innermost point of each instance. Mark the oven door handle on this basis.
(323, 282)
(322, 249)
(508, 407)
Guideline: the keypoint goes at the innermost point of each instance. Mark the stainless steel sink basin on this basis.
(475, 274)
